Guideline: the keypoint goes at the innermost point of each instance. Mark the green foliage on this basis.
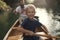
(7, 18)
(3, 5)
(12, 18)
(6, 21)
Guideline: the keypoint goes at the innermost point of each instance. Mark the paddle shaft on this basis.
(46, 36)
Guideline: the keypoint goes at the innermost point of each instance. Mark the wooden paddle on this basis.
(45, 35)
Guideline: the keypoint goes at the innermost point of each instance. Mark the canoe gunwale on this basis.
(7, 34)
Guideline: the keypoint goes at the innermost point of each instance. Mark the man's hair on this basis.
(20, 1)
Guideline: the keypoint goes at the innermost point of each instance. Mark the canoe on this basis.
(14, 34)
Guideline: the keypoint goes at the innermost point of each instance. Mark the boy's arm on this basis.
(27, 32)
(45, 29)
(42, 28)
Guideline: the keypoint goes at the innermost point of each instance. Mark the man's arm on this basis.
(14, 11)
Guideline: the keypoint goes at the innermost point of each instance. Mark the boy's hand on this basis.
(49, 35)
(30, 33)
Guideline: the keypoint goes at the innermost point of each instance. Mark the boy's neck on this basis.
(31, 19)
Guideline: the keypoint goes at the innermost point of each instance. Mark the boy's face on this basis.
(30, 13)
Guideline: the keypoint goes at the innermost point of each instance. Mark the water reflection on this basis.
(48, 20)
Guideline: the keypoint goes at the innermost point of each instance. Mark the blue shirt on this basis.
(30, 25)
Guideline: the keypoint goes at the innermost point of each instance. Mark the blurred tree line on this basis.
(7, 17)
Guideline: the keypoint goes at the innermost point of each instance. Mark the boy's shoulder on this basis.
(36, 20)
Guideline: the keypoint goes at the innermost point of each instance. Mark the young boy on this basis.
(30, 24)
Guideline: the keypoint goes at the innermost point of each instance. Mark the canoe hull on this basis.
(14, 34)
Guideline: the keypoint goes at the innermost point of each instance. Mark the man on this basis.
(21, 10)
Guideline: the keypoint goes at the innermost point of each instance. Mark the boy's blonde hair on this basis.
(30, 6)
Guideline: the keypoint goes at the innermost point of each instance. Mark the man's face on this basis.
(21, 2)
(30, 13)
